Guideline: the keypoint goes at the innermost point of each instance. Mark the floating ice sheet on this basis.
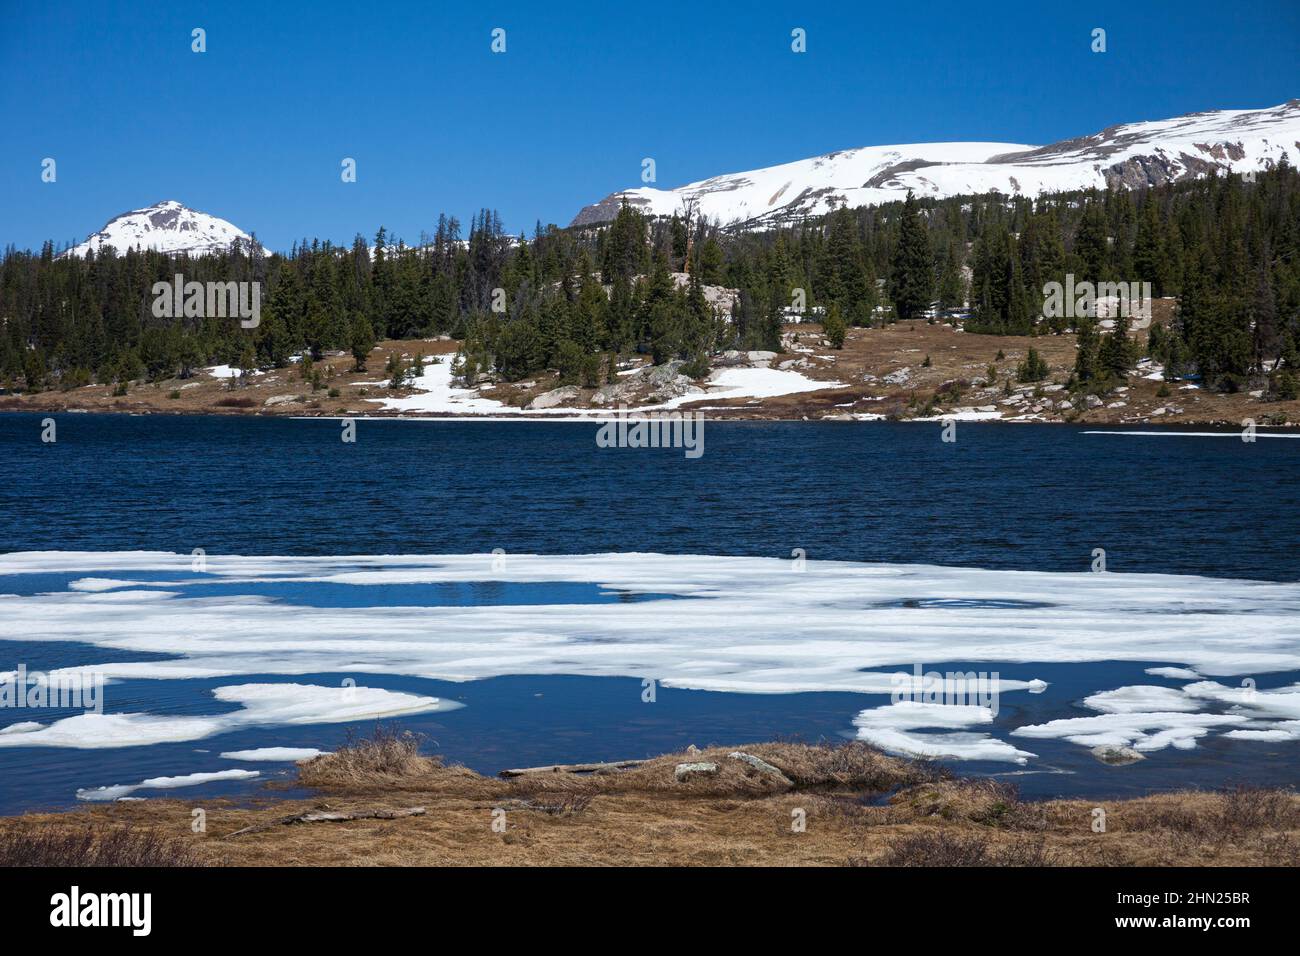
(737, 624)
(262, 705)
(121, 791)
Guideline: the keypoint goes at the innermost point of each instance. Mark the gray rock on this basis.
(606, 394)
(1116, 756)
(689, 771)
(762, 766)
(556, 396)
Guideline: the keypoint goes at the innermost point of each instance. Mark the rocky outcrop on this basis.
(556, 396)
(649, 385)
(693, 771)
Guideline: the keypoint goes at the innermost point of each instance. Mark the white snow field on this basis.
(753, 383)
(740, 624)
(436, 395)
(1131, 154)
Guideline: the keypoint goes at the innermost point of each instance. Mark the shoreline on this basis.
(1169, 427)
(909, 371)
(378, 802)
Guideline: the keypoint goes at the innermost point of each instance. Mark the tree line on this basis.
(578, 299)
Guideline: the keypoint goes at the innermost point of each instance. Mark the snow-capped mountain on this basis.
(1131, 155)
(167, 226)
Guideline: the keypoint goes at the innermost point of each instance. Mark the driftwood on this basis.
(573, 768)
(331, 816)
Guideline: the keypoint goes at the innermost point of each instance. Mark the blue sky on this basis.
(254, 129)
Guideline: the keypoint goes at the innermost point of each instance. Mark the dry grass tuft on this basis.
(943, 848)
(93, 845)
(975, 800)
(386, 755)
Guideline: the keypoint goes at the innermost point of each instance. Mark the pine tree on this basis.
(1033, 368)
(911, 277)
(834, 327)
(363, 341)
(1115, 354)
(1086, 349)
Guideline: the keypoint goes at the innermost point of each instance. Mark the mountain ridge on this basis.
(167, 226)
(1126, 155)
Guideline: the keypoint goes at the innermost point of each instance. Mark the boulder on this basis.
(556, 396)
(762, 766)
(1116, 756)
(689, 771)
(729, 358)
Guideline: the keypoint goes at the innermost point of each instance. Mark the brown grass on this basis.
(92, 845)
(943, 848)
(386, 756)
(856, 805)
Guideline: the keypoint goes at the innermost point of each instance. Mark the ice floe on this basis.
(890, 728)
(262, 705)
(731, 624)
(273, 754)
(122, 791)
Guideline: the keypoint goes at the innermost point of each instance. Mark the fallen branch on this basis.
(573, 768)
(330, 816)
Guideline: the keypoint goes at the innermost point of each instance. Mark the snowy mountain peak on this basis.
(1127, 156)
(168, 226)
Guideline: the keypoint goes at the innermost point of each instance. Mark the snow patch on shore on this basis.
(732, 383)
(435, 393)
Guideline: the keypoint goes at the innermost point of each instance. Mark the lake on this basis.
(523, 596)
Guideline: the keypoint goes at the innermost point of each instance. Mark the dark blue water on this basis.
(1004, 496)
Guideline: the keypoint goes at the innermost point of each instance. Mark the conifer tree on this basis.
(363, 341)
(911, 276)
